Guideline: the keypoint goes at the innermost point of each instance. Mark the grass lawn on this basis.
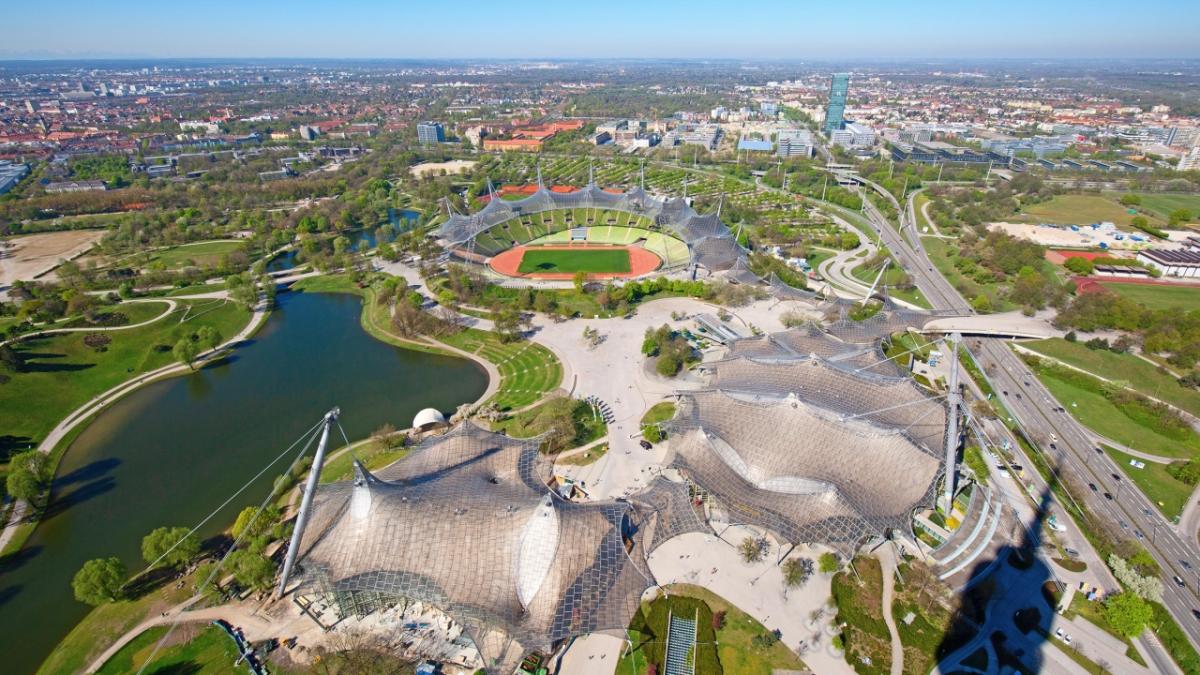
(589, 456)
(525, 424)
(892, 277)
(1163, 204)
(1137, 373)
(104, 624)
(202, 253)
(736, 652)
(1158, 297)
(1169, 494)
(1081, 210)
(191, 649)
(859, 601)
(372, 454)
(659, 412)
(1082, 396)
(603, 260)
(62, 372)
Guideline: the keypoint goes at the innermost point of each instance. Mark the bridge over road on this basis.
(1005, 324)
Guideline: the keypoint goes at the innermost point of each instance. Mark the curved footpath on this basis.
(172, 305)
(97, 403)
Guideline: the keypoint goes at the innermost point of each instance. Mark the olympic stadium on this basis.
(556, 233)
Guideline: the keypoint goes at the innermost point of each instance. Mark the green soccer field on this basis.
(562, 261)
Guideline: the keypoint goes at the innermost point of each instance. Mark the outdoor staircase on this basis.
(681, 646)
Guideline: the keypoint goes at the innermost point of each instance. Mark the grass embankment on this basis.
(1121, 417)
(943, 254)
(1161, 205)
(1141, 375)
(528, 371)
(743, 646)
(1167, 492)
(1082, 210)
(572, 261)
(659, 413)
(197, 649)
(934, 632)
(373, 453)
(586, 457)
(62, 372)
(859, 600)
(1158, 296)
(105, 624)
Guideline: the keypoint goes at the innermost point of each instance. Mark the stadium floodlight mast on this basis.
(314, 474)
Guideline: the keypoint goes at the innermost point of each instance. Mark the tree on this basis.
(580, 279)
(1130, 199)
(174, 545)
(1179, 217)
(981, 303)
(251, 570)
(11, 359)
(186, 350)
(99, 581)
(261, 525)
(209, 337)
(796, 571)
(1127, 613)
(751, 550)
(828, 563)
(28, 474)
(1080, 266)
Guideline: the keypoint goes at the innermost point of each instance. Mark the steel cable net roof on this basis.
(467, 524)
(800, 471)
(719, 249)
(668, 510)
(892, 402)
(812, 341)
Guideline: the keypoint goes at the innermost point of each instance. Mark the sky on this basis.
(525, 29)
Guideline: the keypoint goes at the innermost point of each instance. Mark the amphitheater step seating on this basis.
(973, 536)
(681, 646)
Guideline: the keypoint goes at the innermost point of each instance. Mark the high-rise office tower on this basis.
(835, 114)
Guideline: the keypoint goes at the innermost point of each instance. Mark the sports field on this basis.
(570, 261)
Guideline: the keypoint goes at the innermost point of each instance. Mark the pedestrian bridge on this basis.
(1005, 324)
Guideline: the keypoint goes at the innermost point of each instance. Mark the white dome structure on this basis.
(428, 418)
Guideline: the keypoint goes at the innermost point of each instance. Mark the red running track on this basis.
(508, 263)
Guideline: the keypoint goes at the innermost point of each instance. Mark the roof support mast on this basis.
(954, 399)
(314, 474)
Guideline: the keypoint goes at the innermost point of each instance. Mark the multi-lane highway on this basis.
(1065, 441)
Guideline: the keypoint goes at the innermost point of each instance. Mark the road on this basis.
(1024, 396)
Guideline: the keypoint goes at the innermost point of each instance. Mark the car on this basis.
(1099, 451)
(1026, 383)
(1071, 553)
(1059, 632)
(646, 445)
(1115, 477)
(1092, 486)
(1196, 613)
(1053, 446)
(1179, 582)
(1124, 525)
(1018, 396)
(1005, 392)
(1148, 512)
(1139, 534)
(1108, 496)
(1067, 639)
(1186, 565)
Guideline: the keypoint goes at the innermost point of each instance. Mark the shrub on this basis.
(97, 341)
(1186, 472)
(828, 563)
(1127, 614)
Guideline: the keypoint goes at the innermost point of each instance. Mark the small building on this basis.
(429, 418)
(754, 145)
(1172, 263)
(77, 186)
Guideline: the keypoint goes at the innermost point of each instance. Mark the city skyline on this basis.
(368, 29)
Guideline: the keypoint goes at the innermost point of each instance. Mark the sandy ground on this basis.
(452, 166)
(27, 256)
(1065, 237)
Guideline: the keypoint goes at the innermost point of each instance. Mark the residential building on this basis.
(835, 113)
(430, 133)
(11, 174)
(1190, 161)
